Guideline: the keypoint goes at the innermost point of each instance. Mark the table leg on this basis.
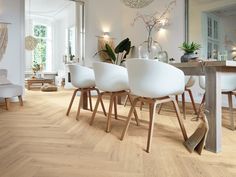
(28, 85)
(213, 107)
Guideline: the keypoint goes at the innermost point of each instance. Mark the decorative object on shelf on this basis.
(171, 60)
(30, 41)
(36, 67)
(122, 50)
(102, 41)
(137, 3)
(153, 22)
(162, 56)
(189, 51)
(3, 38)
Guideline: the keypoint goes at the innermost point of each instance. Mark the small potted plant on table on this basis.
(189, 51)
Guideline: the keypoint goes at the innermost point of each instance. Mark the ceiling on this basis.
(48, 8)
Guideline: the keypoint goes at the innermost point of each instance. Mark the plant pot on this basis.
(187, 57)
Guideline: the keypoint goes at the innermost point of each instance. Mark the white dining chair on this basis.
(228, 86)
(153, 82)
(189, 82)
(82, 78)
(112, 80)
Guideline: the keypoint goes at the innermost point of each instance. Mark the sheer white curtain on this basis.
(3, 39)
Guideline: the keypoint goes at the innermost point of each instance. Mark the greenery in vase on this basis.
(190, 47)
(36, 67)
(120, 53)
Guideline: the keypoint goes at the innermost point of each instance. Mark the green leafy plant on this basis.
(36, 67)
(190, 47)
(120, 53)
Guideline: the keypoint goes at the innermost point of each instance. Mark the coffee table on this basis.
(31, 81)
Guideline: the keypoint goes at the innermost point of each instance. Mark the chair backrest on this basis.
(3, 72)
(151, 78)
(110, 77)
(81, 76)
(228, 82)
(202, 82)
(190, 81)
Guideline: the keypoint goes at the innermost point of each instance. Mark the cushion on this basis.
(4, 80)
(49, 88)
(10, 90)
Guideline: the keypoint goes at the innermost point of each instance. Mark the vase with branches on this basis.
(154, 22)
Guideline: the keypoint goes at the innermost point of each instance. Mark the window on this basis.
(213, 42)
(43, 52)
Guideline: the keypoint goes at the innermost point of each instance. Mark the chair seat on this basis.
(115, 86)
(10, 90)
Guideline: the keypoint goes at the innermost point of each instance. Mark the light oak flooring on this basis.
(38, 140)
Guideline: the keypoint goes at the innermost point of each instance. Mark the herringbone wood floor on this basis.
(38, 140)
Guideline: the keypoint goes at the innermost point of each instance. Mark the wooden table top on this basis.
(206, 63)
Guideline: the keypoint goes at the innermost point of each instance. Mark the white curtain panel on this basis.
(3, 39)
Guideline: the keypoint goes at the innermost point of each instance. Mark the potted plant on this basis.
(189, 51)
(119, 54)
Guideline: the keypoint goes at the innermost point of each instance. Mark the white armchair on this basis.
(113, 81)
(153, 82)
(228, 86)
(9, 90)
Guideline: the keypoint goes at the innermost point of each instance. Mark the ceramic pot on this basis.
(187, 57)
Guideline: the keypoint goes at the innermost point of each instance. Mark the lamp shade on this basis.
(137, 3)
(30, 43)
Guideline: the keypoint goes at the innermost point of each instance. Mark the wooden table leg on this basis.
(213, 107)
(28, 85)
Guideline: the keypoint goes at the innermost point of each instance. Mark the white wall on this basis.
(170, 38)
(229, 27)
(101, 16)
(195, 18)
(12, 11)
(65, 19)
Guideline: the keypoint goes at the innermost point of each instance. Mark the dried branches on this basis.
(157, 20)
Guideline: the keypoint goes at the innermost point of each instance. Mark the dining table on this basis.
(212, 71)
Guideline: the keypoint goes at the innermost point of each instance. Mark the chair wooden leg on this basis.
(192, 100)
(201, 105)
(7, 102)
(152, 110)
(90, 100)
(135, 112)
(95, 108)
(115, 107)
(103, 107)
(159, 109)
(126, 100)
(177, 99)
(108, 128)
(141, 105)
(129, 118)
(80, 105)
(180, 120)
(71, 102)
(20, 100)
(183, 105)
(231, 111)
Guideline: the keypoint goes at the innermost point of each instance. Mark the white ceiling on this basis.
(47, 8)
